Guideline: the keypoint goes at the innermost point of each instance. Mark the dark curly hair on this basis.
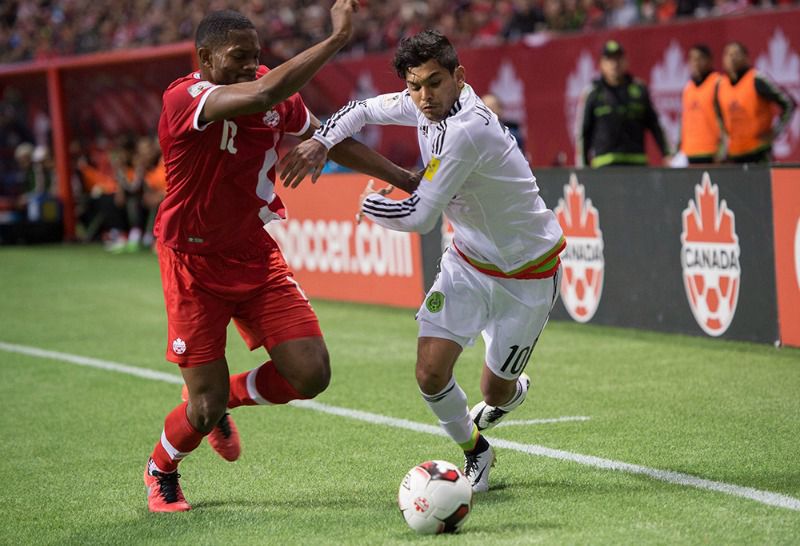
(421, 48)
(213, 29)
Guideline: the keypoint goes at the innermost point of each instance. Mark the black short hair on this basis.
(213, 29)
(421, 48)
(738, 44)
(703, 49)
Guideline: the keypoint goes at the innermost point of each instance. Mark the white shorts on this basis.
(509, 313)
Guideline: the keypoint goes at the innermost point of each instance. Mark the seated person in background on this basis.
(155, 189)
(127, 161)
(101, 217)
(34, 179)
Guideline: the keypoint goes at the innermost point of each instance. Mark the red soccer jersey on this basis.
(221, 175)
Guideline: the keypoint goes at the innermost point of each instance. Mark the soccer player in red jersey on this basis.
(220, 131)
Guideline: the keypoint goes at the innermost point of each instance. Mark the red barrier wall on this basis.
(334, 258)
(786, 218)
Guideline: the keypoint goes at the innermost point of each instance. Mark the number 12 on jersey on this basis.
(229, 130)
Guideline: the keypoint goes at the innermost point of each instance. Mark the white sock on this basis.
(518, 398)
(450, 406)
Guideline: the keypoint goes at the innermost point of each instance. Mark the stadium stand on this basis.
(34, 29)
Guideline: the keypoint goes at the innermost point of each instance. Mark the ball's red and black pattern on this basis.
(436, 473)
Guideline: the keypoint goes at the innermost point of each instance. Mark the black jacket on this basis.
(614, 122)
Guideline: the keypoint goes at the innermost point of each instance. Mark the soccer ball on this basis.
(435, 497)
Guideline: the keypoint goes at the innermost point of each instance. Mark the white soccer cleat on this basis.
(485, 416)
(477, 467)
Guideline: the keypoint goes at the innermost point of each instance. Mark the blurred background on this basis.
(81, 84)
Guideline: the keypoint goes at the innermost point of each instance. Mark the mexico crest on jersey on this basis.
(582, 261)
(710, 259)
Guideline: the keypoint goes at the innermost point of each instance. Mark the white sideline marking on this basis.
(92, 363)
(678, 478)
(522, 422)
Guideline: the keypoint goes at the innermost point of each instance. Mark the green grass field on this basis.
(76, 438)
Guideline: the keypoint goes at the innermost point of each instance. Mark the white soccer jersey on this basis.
(475, 174)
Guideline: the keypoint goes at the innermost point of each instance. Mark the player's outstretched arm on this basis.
(285, 80)
(354, 155)
(309, 158)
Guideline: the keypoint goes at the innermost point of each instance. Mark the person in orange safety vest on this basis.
(746, 102)
(700, 132)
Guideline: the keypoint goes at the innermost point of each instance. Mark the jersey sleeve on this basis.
(296, 117)
(443, 178)
(183, 105)
(389, 109)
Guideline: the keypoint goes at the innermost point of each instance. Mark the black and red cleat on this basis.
(164, 491)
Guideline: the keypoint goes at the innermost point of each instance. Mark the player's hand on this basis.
(415, 179)
(342, 18)
(410, 182)
(369, 190)
(307, 157)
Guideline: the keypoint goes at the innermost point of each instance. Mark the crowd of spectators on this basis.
(117, 183)
(40, 29)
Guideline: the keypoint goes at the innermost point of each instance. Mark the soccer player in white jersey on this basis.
(500, 276)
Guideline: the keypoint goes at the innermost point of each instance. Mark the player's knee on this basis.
(317, 376)
(207, 410)
(431, 379)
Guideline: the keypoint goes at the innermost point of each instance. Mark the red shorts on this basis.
(203, 293)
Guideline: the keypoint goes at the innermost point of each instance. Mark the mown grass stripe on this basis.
(676, 478)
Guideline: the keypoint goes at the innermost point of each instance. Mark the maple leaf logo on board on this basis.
(582, 261)
(710, 259)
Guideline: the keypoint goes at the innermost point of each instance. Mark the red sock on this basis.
(263, 385)
(178, 439)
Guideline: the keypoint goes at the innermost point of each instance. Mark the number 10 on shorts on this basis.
(517, 360)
